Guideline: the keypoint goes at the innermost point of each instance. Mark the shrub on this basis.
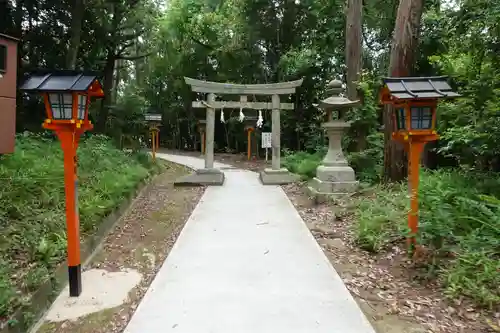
(303, 163)
(368, 163)
(32, 205)
(456, 219)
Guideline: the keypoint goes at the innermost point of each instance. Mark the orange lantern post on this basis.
(154, 121)
(250, 123)
(414, 101)
(67, 96)
(202, 126)
(249, 142)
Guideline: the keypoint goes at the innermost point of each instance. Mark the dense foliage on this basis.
(459, 224)
(32, 206)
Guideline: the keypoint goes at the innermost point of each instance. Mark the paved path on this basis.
(246, 263)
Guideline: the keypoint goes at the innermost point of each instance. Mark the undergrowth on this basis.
(459, 223)
(459, 220)
(32, 205)
(302, 163)
(367, 164)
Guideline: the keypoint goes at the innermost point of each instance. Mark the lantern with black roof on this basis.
(414, 102)
(67, 96)
(154, 120)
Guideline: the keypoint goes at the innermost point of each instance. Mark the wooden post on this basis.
(153, 144)
(249, 142)
(69, 143)
(157, 135)
(415, 149)
(202, 134)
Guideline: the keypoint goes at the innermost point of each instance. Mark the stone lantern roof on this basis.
(337, 99)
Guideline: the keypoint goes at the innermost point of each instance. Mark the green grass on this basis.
(32, 206)
(303, 164)
(459, 220)
(459, 223)
(367, 164)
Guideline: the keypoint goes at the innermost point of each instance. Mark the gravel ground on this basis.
(141, 241)
(388, 286)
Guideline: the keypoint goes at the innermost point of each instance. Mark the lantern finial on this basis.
(334, 87)
(336, 99)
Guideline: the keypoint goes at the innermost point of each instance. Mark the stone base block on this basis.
(321, 190)
(277, 177)
(334, 187)
(335, 173)
(202, 177)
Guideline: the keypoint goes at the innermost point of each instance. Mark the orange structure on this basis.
(202, 127)
(154, 120)
(250, 122)
(414, 101)
(249, 142)
(8, 90)
(67, 96)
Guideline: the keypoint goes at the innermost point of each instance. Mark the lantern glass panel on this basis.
(82, 105)
(61, 106)
(421, 118)
(400, 119)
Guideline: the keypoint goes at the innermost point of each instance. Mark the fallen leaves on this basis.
(385, 280)
(141, 240)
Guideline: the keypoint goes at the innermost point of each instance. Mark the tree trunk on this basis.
(429, 158)
(75, 33)
(353, 47)
(353, 58)
(404, 45)
(118, 76)
(139, 64)
(109, 70)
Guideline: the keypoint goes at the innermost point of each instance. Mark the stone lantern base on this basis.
(334, 177)
(332, 181)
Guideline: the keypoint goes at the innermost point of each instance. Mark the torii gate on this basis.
(270, 176)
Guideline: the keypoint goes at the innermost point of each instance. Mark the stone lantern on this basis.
(334, 176)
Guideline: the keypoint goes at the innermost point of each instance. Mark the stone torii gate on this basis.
(212, 176)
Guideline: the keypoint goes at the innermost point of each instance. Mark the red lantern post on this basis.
(414, 102)
(249, 124)
(67, 97)
(202, 127)
(154, 121)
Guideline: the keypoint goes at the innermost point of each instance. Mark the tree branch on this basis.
(127, 37)
(123, 47)
(131, 58)
(210, 47)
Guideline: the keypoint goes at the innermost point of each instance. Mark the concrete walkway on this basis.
(246, 263)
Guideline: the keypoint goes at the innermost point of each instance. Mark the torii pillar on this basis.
(276, 175)
(207, 175)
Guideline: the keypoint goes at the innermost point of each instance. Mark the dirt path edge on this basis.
(28, 317)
